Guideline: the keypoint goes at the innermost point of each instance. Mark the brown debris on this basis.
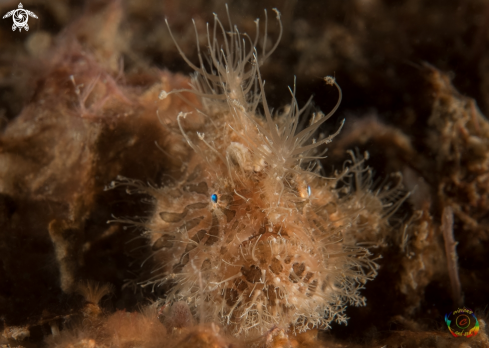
(461, 135)
(68, 253)
(17, 333)
(451, 255)
(422, 259)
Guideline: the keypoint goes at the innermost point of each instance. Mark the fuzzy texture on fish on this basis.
(253, 236)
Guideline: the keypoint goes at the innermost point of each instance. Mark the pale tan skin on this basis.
(253, 237)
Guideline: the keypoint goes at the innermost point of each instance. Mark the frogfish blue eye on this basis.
(214, 198)
(309, 190)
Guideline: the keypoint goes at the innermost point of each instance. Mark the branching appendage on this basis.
(254, 237)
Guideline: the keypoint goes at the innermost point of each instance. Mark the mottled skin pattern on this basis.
(253, 237)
